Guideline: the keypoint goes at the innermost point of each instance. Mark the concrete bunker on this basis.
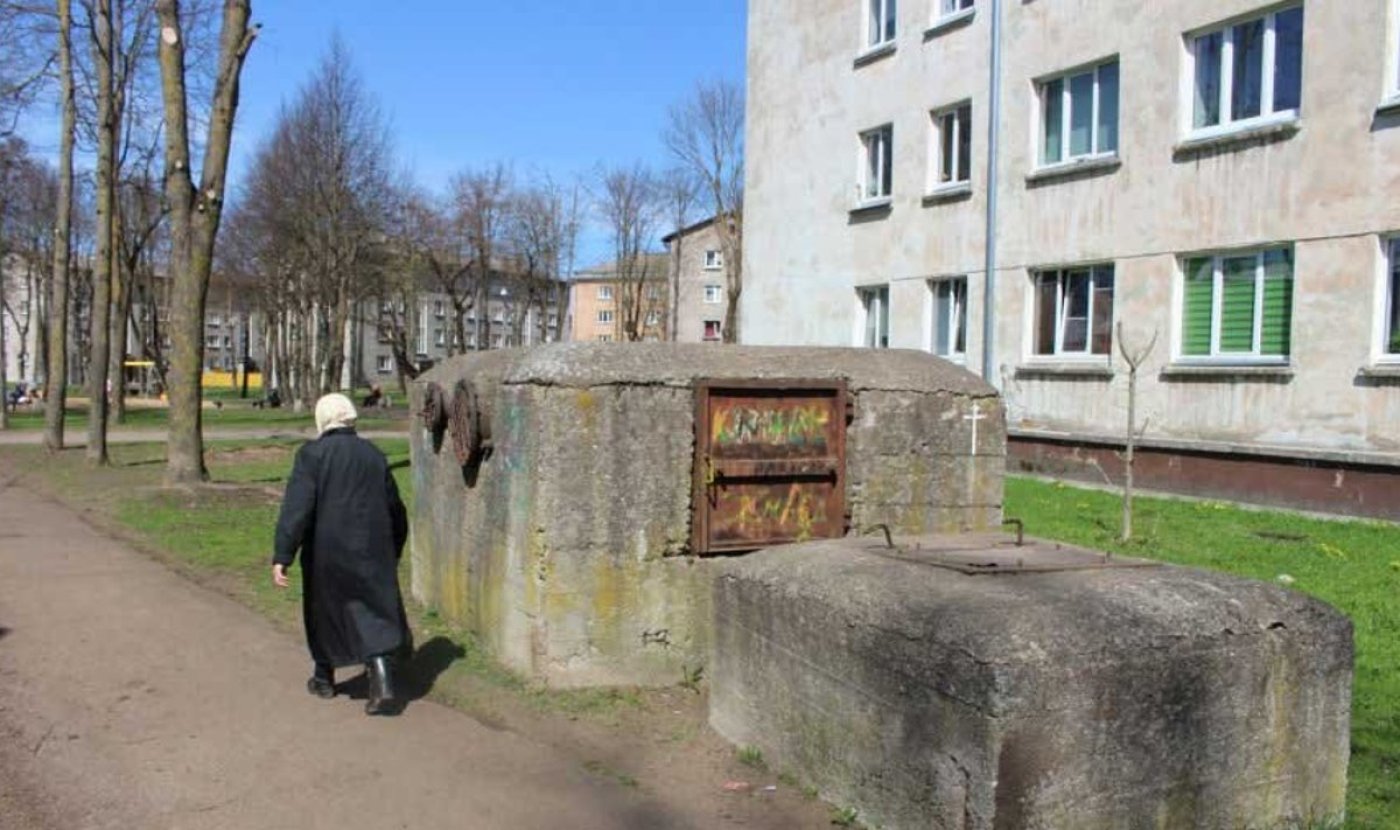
(937, 674)
(566, 493)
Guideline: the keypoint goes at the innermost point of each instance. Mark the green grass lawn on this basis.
(1355, 566)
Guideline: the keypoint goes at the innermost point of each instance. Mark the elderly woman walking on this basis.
(343, 512)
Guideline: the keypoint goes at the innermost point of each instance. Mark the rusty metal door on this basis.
(770, 463)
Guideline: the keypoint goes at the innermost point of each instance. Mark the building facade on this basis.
(1213, 177)
(698, 281)
(602, 305)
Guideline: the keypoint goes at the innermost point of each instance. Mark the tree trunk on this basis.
(56, 375)
(99, 318)
(194, 218)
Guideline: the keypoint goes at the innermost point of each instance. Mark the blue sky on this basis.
(556, 85)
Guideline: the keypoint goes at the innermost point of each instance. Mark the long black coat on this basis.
(342, 510)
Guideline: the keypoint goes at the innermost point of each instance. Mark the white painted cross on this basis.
(974, 418)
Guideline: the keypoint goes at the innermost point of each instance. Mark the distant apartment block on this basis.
(1220, 175)
(697, 264)
(603, 304)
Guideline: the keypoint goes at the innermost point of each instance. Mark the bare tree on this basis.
(195, 213)
(706, 135)
(56, 377)
(482, 199)
(319, 201)
(1134, 358)
(27, 238)
(545, 226)
(103, 36)
(679, 192)
(628, 207)
(434, 246)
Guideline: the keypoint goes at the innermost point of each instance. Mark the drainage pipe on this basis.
(993, 147)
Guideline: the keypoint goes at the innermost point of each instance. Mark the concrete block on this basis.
(1153, 697)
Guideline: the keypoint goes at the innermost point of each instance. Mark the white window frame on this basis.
(1386, 301)
(947, 12)
(1060, 354)
(879, 140)
(719, 331)
(439, 337)
(1254, 356)
(438, 310)
(714, 260)
(605, 316)
(1267, 114)
(868, 301)
(1066, 116)
(385, 364)
(605, 292)
(884, 15)
(714, 293)
(959, 313)
(936, 184)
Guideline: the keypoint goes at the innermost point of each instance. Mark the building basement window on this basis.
(949, 336)
(1073, 312)
(1247, 73)
(1238, 306)
(1391, 347)
(874, 325)
(1079, 115)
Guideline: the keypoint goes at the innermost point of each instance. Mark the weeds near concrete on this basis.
(752, 756)
(690, 678)
(845, 817)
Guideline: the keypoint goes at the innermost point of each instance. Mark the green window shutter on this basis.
(1198, 297)
(1237, 304)
(1276, 329)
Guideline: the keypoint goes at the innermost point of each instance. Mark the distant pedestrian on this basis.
(342, 511)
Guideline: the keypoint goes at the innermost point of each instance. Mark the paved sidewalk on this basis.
(132, 698)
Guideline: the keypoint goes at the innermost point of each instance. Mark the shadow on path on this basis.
(414, 676)
(3, 632)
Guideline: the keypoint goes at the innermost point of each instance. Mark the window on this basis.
(1074, 312)
(605, 315)
(437, 309)
(385, 364)
(439, 337)
(1391, 347)
(714, 293)
(496, 341)
(605, 292)
(714, 260)
(875, 317)
(712, 330)
(952, 142)
(653, 318)
(1237, 305)
(879, 23)
(1079, 114)
(1248, 71)
(947, 9)
(605, 338)
(949, 318)
(212, 341)
(653, 292)
(877, 162)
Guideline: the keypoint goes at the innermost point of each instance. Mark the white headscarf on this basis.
(334, 411)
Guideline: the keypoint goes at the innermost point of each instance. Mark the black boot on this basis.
(381, 685)
(322, 682)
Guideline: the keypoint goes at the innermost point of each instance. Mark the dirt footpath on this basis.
(132, 698)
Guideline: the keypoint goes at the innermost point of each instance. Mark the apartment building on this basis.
(602, 304)
(1214, 177)
(698, 281)
(512, 318)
